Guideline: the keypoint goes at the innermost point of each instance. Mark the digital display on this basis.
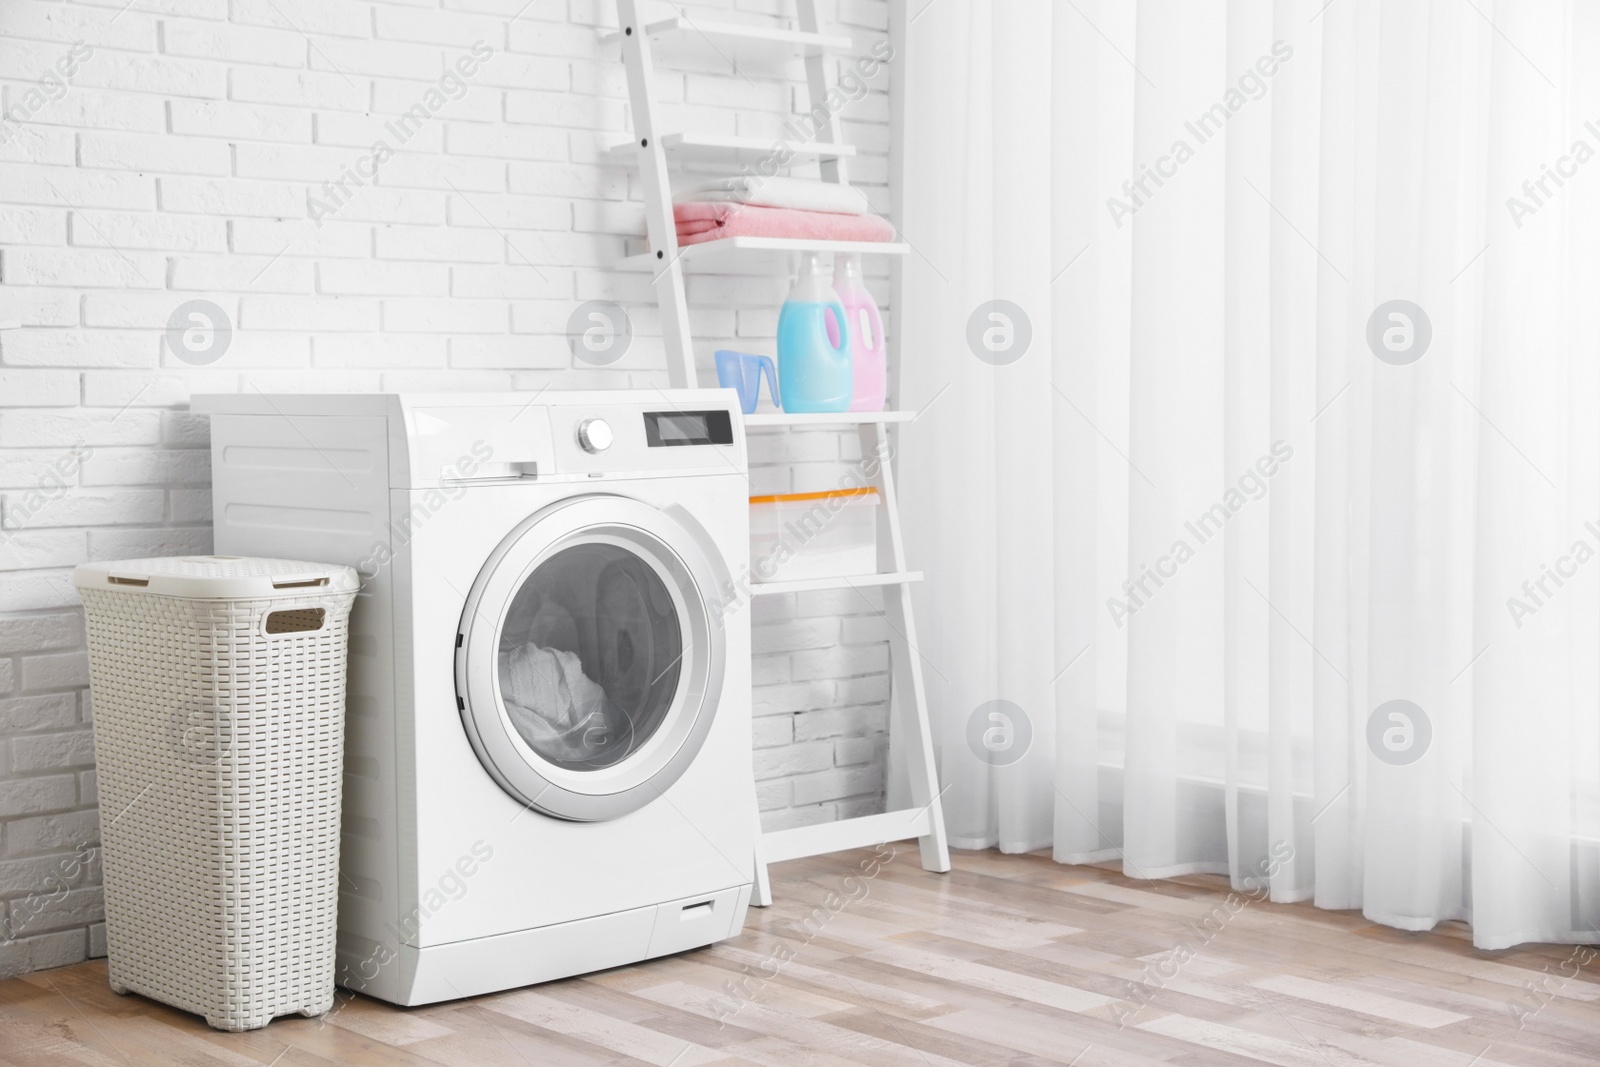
(665, 429)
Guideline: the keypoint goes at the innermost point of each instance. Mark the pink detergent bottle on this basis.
(868, 355)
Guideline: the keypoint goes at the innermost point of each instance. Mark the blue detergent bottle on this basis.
(814, 371)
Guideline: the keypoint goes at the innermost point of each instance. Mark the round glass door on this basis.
(590, 656)
(587, 665)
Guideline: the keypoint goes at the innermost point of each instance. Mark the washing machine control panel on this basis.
(577, 436)
(596, 440)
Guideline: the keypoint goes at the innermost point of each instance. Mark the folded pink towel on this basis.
(699, 220)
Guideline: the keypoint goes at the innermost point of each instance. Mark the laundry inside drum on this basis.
(590, 656)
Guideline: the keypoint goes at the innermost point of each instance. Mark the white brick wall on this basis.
(170, 156)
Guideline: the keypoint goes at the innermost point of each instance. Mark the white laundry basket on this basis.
(219, 690)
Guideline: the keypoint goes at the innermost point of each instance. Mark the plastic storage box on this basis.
(830, 534)
(219, 688)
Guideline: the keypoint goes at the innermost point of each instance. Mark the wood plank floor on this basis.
(1006, 960)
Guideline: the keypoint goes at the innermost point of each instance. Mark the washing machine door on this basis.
(589, 659)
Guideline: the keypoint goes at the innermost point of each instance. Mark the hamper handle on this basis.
(294, 621)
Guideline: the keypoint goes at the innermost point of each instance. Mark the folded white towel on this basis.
(556, 708)
(801, 194)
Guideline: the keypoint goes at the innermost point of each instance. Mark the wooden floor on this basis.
(1006, 960)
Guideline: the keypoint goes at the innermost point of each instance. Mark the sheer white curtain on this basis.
(1255, 600)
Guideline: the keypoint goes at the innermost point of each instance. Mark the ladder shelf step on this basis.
(711, 149)
(712, 40)
(851, 581)
(861, 832)
(739, 255)
(782, 419)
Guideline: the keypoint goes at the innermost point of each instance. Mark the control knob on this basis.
(594, 435)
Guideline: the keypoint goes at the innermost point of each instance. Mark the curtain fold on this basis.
(1258, 480)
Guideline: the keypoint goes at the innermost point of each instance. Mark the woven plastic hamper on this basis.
(219, 691)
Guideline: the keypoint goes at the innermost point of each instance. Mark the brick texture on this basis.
(196, 149)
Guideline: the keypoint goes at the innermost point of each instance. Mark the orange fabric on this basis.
(787, 498)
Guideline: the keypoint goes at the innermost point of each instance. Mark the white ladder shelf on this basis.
(649, 150)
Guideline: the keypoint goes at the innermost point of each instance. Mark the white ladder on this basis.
(649, 150)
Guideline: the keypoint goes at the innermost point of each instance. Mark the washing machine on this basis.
(548, 751)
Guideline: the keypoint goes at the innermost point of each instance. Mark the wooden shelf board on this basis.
(736, 42)
(863, 831)
(755, 254)
(780, 419)
(700, 149)
(852, 581)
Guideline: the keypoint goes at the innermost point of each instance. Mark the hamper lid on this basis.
(217, 577)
